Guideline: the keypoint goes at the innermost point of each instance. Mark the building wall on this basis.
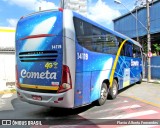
(7, 67)
(7, 55)
(7, 37)
(127, 23)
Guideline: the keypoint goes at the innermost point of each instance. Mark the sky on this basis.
(101, 11)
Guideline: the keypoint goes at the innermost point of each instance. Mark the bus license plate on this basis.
(37, 97)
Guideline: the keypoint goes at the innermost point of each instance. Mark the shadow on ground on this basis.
(49, 116)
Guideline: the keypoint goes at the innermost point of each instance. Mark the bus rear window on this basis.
(49, 22)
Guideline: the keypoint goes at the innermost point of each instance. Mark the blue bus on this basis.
(66, 60)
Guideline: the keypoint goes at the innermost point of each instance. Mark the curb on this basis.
(151, 81)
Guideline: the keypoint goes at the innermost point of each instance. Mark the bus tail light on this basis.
(66, 79)
(17, 82)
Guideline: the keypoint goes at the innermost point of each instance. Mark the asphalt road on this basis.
(123, 107)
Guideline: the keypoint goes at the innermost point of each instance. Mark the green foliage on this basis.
(157, 47)
(145, 47)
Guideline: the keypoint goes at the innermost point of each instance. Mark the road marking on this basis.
(127, 107)
(131, 115)
(138, 126)
(144, 101)
(120, 108)
(7, 95)
(120, 102)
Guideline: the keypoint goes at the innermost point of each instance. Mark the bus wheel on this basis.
(113, 90)
(103, 95)
(140, 80)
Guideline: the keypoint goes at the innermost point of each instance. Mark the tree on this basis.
(144, 45)
(157, 48)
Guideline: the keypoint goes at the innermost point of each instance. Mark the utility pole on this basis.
(137, 24)
(148, 40)
(62, 4)
(136, 8)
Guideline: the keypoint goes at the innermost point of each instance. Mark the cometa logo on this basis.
(134, 63)
(38, 75)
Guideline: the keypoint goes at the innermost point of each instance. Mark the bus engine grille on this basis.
(38, 56)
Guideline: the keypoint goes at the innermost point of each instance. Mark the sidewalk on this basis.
(152, 80)
(6, 89)
(145, 92)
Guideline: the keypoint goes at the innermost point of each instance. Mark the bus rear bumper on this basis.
(63, 100)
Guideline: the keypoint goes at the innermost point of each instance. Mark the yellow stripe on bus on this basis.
(40, 87)
(7, 30)
(115, 62)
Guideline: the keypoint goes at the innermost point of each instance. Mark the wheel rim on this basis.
(114, 89)
(103, 94)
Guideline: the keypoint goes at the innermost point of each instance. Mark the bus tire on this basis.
(140, 81)
(113, 91)
(103, 95)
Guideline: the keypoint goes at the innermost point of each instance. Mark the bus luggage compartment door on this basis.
(82, 88)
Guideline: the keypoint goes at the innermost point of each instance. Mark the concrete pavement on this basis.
(6, 89)
(152, 81)
(145, 92)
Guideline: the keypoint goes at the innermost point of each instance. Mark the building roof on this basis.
(133, 11)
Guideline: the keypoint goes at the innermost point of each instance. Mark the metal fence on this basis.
(155, 68)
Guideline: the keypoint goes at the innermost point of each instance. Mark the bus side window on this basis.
(134, 51)
(94, 38)
(78, 27)
(83, 33)
(110, 44)
(81, 28)
(137, 51)
(128, 49)
(119, 42)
